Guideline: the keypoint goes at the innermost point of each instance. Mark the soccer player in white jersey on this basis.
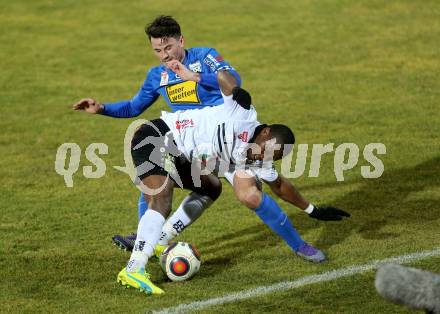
(190, 149)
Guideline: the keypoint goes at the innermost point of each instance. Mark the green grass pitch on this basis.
(334, 71)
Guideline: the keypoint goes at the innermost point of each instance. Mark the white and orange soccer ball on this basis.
(180, 261)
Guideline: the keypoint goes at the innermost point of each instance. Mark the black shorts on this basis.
(154, 151)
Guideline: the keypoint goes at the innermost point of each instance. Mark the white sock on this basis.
(188, 211)
(148, 233)
(168, 233)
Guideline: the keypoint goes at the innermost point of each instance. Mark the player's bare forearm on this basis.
(287, 192)
(226, 82)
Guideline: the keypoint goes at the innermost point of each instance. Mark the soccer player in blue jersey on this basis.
(186, 79)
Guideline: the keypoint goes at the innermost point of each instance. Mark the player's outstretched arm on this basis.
(286, 191)
(144, 98)
(88, 105)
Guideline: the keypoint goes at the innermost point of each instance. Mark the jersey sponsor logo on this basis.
(195, 67)
(164, 78)
(243, 136)
(183, 124)
(183, 93)
(219, 58)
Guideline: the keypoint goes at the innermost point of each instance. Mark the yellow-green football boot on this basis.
(139, 280)
(158, 249)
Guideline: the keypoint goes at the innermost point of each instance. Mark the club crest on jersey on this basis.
(164, 78)
(185, 123)
(196, 67)
(243, 136)
(183, 93)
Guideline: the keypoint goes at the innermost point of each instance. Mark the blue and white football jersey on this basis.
(179, 94)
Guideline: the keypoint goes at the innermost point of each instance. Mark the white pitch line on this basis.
(287, 285)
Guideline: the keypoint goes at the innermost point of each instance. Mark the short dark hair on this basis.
(282, 133)
(163, 26)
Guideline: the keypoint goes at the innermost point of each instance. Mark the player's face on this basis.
(265, 149)
(168, 48)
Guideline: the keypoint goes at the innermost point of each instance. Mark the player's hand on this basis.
(328, 213)
(182, 71)
(89, 105)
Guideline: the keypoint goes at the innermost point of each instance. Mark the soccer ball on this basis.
(180, 261)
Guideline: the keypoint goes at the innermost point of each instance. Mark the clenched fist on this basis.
(183, 71)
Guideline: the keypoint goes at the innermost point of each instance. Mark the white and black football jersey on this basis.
(218, 136)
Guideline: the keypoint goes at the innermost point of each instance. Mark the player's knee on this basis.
(215, 189)
(211, 187)
(250, 199)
